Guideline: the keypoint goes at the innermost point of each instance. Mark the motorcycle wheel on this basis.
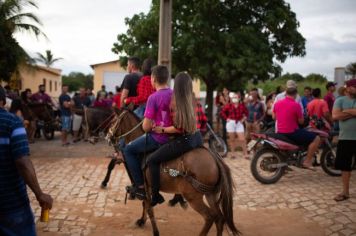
(218, 145)
(327, 162)
(48, 131)
(259, 166)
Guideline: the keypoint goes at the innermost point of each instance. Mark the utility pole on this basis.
(165, 34)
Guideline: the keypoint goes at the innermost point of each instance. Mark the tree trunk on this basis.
(209, 101)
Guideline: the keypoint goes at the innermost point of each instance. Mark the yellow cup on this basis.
(44, 215)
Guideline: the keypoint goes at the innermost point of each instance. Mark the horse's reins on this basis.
(86, 122)
(130, 131)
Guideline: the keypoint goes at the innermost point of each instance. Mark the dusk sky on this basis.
(83, 32)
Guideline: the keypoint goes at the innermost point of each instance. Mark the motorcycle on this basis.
(327, 162)
(276, 153)
(216, 143)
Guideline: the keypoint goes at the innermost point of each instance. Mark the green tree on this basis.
(295, 76)
(351, 69)
(47, 58)
(316, 78)
(14, 19)
(75, 80)
(221, 42)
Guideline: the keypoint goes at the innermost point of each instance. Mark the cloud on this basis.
(328, 27)
(83, 32)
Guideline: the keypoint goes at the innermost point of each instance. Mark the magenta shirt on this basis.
(157, 110)
(287, 113)
(41, 98)
(330, 99)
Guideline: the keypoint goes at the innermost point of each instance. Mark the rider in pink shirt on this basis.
(288, 119)
(288, 114)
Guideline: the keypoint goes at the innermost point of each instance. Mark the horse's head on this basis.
(42, 111)
(125, 125)
(96, 120)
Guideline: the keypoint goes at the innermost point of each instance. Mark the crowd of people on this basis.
(240, 115)
(172, 120)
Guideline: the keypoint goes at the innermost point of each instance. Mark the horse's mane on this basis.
(118, 111)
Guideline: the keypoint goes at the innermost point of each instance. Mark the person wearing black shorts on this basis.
(344, 111)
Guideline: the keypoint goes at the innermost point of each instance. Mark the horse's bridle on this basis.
(115, 126)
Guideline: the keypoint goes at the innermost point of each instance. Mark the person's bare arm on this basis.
(328, 117)
(147, 125)
(124, 95)
(25, 168)
(301, 120)
(351, 111)
(338, 114)
(168, 130)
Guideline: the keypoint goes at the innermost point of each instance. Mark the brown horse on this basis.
(197, 174)
(96, 120)
(41, 111)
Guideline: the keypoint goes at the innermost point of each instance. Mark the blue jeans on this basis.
(140, 111)
(66, 123)
(133, 158)
(19, 223)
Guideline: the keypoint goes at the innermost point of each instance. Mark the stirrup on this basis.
(130, 191)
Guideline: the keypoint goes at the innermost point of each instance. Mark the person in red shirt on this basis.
(235, 113)
(144, 89)
(318, 107)
(201, 118)
(117, 98)
(41, 96)
(101, 101)
(329, 97)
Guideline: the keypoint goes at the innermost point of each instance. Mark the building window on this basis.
(50, 85)
(44, 82)
(55, 86)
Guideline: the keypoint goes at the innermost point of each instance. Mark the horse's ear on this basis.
(131, 106)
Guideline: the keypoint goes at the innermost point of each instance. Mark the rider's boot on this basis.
(157, 198)
(136, 192)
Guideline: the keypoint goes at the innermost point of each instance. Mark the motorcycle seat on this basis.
(281, 137)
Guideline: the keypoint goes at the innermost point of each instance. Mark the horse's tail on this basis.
(226, 188)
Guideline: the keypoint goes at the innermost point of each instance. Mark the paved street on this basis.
(300, 204)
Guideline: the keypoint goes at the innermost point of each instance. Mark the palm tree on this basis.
(13, 19)
(47, 59)
(11, 12)
(351, 69)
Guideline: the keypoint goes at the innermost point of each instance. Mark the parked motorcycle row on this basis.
(274, 153)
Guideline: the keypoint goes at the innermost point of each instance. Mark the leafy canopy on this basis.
(351, 69)
(76, 80)
(221, 42)
(14, 19)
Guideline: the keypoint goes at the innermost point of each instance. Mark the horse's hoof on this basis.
(140, 223)
(103, 185)
(172, 203)
(184, 205)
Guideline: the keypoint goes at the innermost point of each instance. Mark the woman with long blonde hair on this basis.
(184, 130)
